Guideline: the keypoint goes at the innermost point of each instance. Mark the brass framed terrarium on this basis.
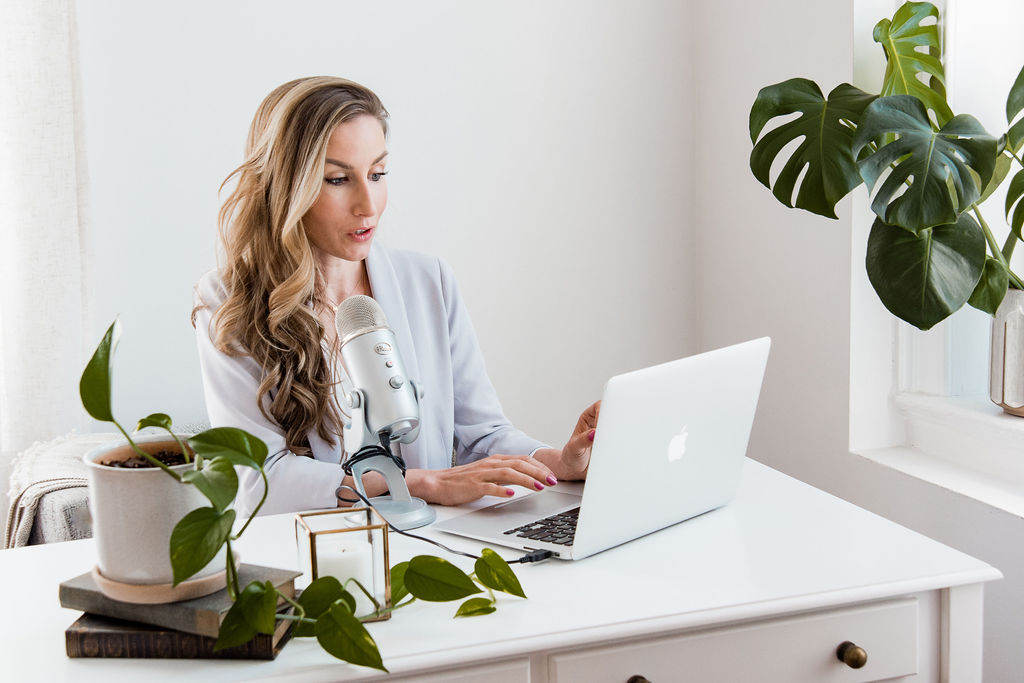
(350, 544)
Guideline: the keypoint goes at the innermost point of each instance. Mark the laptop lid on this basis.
(670, 444)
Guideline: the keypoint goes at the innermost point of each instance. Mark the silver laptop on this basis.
(670, 445)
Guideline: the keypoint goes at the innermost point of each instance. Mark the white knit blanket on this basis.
(48, 491)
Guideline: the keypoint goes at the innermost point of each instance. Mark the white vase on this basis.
(1006, 368)
(134, 511)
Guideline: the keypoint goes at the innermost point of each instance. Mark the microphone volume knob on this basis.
(397, 382)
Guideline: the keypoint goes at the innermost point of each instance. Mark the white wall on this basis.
(765, 269)
(544, 149)
(761, 268)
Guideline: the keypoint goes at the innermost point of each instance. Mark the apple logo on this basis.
(677, 446)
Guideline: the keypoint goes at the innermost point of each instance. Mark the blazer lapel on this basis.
(386, 290)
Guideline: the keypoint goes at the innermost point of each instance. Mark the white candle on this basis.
(344, 559)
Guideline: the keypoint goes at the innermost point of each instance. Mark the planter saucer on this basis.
(159, 593)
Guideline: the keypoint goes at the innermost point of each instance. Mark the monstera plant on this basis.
(929, 251)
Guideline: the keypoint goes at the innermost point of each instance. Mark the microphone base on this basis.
(404, 514)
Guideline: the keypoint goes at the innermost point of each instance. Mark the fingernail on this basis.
(591, 434)
(509, 492)
(551, 479)
(537, 485)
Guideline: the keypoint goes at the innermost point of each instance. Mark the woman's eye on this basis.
(375, 177)
(336, 181)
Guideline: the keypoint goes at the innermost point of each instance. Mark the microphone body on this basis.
(385, 407)
(386, 397)
(374, 365)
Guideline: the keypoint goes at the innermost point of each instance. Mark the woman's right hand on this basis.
(490, 476)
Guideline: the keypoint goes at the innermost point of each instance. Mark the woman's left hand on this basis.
(573, 460)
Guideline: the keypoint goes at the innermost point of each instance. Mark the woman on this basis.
(298, 233)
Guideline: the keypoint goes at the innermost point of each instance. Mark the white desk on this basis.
(764, 589)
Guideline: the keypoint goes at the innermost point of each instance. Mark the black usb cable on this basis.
(533, 556)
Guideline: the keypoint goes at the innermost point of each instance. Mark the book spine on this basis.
(162, 645)
(204, 622)
(94, 602)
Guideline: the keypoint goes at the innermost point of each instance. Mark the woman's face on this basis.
(343, 220)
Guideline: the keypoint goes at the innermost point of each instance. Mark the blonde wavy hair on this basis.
(271, 277)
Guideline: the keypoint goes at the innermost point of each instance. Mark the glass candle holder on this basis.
(348, 543)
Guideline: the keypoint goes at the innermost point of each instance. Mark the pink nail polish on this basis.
(591, 434)
(537, 485)
(509, 492)
(552, 480)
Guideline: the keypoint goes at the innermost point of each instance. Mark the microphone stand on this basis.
(399, 507)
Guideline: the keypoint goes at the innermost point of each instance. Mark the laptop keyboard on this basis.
(559, 528)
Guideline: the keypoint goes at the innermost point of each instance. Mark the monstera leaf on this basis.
(1014, 205)
(901, 38)
(991, 288)
(1014, 106)
(946, 170)
(826, 128)
(924, 277)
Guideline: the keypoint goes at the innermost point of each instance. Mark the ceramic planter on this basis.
(1006, 369)
(134, 512)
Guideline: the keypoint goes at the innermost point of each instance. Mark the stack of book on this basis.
(177, 630)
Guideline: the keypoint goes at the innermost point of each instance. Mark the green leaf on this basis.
(398, 590)
(255, 611)
(197, 538)
(95, 385)
(1014, 194)
(345, 637)
(436, 580)
(999, 173)
(217, 481)
(494, 572)
(900, 39)
(1004, 162)
(475, 607)
(316, 599)
(1014, 106)
(922, 278)
(991, 288)
(161, 420)
(261, 608)
(349, 600)
(234, 630)
(239, 446)
(946, 170)
(826, 128)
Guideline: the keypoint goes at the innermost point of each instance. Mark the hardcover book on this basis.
(201, 616)
(96, 636)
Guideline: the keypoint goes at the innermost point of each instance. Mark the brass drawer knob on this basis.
(851, 655)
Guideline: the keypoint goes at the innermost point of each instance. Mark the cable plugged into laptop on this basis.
(535, 556)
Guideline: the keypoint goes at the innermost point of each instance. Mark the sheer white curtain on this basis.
(42, 192)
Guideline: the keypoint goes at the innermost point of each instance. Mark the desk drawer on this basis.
(801, 648)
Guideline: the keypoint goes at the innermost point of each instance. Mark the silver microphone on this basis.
(370, 354)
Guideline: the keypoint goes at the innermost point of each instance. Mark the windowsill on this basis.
(966, 445)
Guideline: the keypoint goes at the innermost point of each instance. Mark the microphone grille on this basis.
(358, 313)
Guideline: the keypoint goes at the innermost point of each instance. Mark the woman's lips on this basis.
(362, 234)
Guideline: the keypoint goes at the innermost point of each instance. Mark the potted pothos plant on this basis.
(206, 479)
(930, 250)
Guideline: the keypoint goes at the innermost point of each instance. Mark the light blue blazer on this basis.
(460, 410)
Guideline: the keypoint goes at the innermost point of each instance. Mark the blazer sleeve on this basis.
(230, 385)
(481, 428)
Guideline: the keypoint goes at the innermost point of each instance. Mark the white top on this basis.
(460, 410)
